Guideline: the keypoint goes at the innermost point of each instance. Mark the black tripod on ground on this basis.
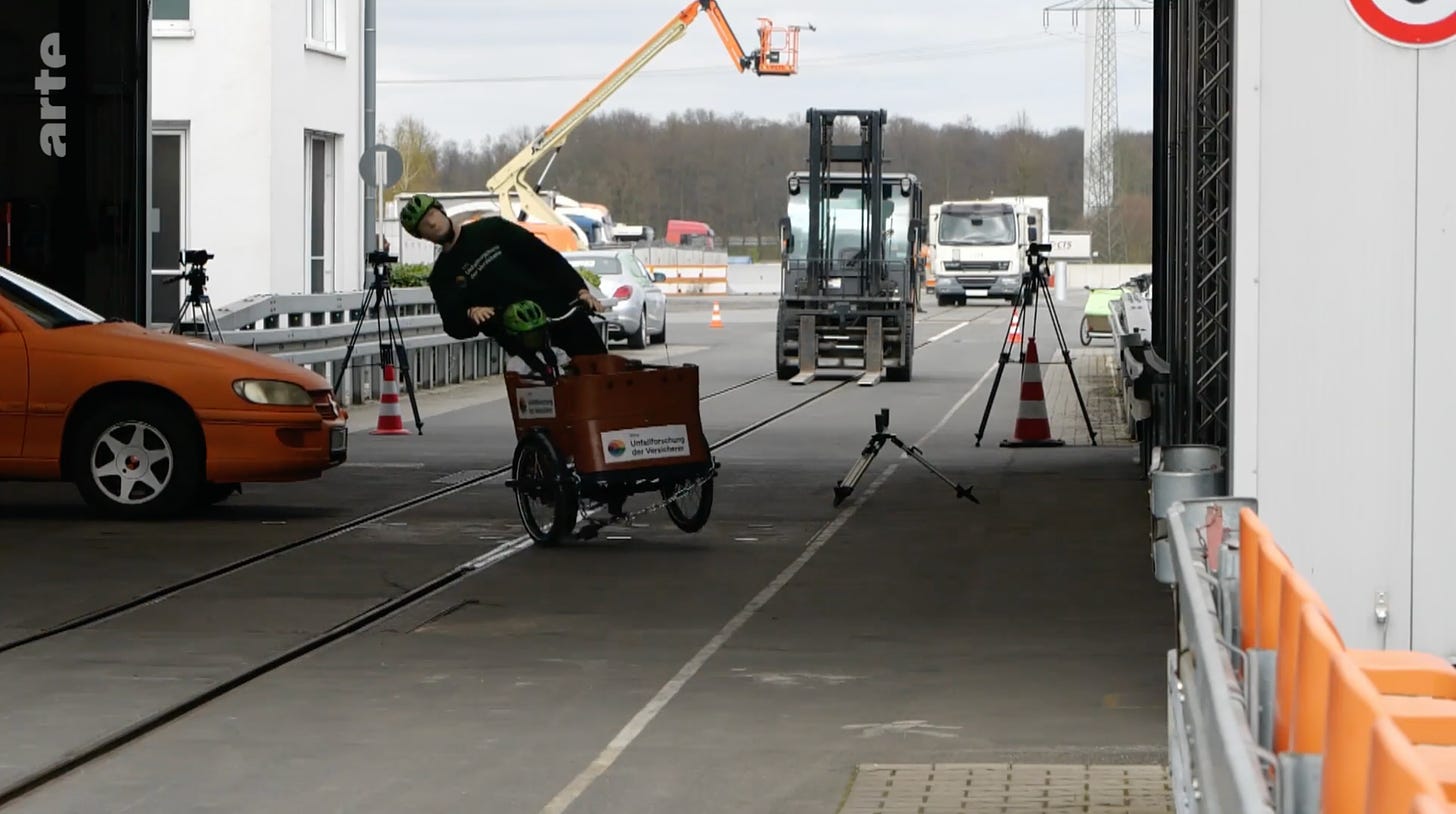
(386, 322)
(197, 300)
(1033, 282)
(876, 443)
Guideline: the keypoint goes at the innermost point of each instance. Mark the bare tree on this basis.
(729, 170)
(418, 152)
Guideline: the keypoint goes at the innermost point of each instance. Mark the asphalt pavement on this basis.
(763, 664)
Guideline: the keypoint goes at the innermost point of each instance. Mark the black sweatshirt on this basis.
(495, 263)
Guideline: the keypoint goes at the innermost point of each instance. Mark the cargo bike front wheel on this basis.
(546, 494)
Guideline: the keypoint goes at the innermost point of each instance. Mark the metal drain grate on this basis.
(1008, 788)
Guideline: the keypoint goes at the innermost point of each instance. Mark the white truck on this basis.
(978, 247)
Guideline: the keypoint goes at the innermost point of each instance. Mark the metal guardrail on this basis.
(313, 331)
(1215, 761)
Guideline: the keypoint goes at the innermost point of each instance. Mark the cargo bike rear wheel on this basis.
(690, 502)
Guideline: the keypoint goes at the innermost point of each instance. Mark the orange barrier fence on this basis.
(1323, 728)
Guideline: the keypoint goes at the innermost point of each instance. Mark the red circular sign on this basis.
(1409, 23)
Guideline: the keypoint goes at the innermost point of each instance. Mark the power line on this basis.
(869, 59)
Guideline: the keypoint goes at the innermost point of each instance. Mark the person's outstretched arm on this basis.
(451, 302)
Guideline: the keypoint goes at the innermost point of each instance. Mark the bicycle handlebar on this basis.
(577, 305)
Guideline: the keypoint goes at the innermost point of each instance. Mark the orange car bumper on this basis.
(277, 447)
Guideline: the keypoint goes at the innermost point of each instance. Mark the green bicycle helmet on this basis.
(414, 211)
(526, 320)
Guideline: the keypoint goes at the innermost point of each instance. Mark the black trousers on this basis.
(578, 335)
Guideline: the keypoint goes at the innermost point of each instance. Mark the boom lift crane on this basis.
(777, 55)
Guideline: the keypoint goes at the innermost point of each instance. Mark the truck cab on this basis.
(594, 222)
(978, 247)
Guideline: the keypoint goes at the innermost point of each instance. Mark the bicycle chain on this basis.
(627, 518)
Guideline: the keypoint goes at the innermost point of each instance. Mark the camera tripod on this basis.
(1034, 282)
(876, 443)
(386, 321)
(197, 300)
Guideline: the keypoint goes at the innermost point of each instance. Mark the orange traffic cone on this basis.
(1033, 429)
(1015, 325)
(717, 321)
(391, 421)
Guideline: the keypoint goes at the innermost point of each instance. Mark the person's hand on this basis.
(480, 313)
(586, 297)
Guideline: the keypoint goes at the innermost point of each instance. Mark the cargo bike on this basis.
(599, 429)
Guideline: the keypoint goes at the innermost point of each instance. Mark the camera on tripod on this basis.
(197, 302)
(380, 260)
(1036, 258)
(196, 274)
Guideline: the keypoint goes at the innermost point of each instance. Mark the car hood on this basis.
(127, 340)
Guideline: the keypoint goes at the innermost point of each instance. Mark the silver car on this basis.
(641, 310)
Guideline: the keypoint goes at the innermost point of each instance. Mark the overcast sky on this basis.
(987, 59)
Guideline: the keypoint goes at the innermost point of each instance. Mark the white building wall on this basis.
(1433, 554)
(317, 88)
(248, 87)
(1343, 243)
(212, 77)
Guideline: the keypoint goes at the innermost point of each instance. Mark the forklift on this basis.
(851, 246)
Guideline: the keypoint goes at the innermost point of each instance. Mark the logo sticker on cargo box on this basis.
(647, 443)
(536, 402)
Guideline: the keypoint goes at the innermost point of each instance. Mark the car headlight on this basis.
(273, 393)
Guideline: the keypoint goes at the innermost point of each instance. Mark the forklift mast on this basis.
(867, 157)
(851, 237)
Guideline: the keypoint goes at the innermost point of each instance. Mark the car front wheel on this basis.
(137, 459)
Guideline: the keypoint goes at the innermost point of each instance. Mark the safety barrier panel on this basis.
(1268, 711)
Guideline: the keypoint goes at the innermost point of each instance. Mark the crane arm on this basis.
(741, 61)
(511, 178)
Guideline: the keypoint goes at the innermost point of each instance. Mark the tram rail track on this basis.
(118, 739)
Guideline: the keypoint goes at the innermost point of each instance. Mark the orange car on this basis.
(147, 424)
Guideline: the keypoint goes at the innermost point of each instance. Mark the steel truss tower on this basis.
(1193, 216)
(1099, 174)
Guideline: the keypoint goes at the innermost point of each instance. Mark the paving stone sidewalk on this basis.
(1097, 374)
(1008, 788)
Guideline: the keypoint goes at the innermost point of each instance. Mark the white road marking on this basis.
(664, 696)
(904, 728)
(945, 419)
(793, 679)
(947, 332)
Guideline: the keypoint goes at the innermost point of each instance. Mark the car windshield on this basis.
(48, 308)
(977, 226)
(601, 266)
(846, 214)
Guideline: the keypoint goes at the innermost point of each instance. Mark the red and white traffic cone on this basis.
(1015, 338)
(391, 420)
(1033, 428)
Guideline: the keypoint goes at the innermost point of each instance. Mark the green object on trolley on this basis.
(1099, 301)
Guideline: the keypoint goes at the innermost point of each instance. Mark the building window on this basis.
(323, 24)
(169, 219)
(319, 171)
(171, 9)
(172, 17)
